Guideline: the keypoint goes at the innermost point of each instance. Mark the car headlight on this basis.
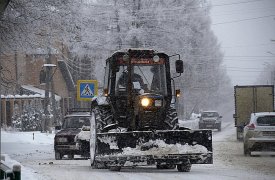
(61, 139)
(145, 102)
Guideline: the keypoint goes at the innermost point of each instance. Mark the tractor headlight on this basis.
(158, 103)
(145, 102)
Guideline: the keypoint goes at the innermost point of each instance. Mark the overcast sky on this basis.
(245, 29)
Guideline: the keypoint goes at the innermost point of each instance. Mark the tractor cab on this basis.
(138, 86)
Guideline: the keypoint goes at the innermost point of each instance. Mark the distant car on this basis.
(210, 120)
(259, 133)
(65, 140)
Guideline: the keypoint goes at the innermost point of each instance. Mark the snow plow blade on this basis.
(154, 147)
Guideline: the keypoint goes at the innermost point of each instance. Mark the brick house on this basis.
(21, 82)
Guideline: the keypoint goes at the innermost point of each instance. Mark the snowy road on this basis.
(37, 159)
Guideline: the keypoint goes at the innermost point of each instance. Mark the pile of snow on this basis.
(26, 173)
(161, 148)
(35, 137)
(109, 140)
(155, 147)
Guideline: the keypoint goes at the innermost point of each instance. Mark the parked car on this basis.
(210, 120)
(65, 140)
(259, 133)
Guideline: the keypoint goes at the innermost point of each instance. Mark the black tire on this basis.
(104, 117)
(220, 127)
(169, 166)
(58, 155)
(99, 165)
(85, 148)
(115, 168)
(200, 126)
(171, 120)
(246, 150)
(71, 156)
(185, 167)
(239, 133)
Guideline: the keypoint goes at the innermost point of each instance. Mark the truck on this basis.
(134, 122)
(251, 99)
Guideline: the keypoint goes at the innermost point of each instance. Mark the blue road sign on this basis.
(86, 89)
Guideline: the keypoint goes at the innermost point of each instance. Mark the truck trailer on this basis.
(251, 99)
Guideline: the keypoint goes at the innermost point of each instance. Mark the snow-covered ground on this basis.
(36, 157)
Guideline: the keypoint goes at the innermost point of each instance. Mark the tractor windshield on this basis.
(145, 77)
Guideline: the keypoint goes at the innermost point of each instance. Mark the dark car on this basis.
(64, 140)
(210, 120)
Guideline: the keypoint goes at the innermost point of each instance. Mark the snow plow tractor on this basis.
(135, 123)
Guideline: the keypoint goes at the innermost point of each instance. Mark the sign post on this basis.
(86, 89)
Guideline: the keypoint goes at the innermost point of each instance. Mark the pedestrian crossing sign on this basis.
(86, 89)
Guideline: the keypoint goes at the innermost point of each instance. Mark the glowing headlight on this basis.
(145, 102)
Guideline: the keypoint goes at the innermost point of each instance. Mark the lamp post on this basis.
(48, 74)
(272, 68)
(269, 67)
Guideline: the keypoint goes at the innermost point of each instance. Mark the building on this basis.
(20, 82)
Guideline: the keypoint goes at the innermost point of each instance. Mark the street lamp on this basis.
(270, 67)
(46, 75)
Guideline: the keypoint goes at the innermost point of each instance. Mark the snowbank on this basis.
(35, 137)
(26, 173)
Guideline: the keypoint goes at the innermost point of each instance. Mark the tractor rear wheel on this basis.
(171, 120)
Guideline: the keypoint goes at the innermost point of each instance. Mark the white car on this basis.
(259, 133)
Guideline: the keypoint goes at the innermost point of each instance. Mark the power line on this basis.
(229, 4)
(240, 68)
(225, 13)
(244, 70)
(254, 45)
(240, 20)
(250, 56)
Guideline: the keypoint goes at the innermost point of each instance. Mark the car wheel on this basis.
(58, 155)
(219, 127)
(115, 168)
(246, 150)
(200, 126)
(71, 156)
(170, 166)
(185, 167)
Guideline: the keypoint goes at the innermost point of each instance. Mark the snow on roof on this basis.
(263, 114)
(9, 96)
(39, 91)
(135, 49)
(209, 111)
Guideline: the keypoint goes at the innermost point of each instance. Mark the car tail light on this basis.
(251, 126)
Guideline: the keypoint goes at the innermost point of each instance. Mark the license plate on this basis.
(208, 125)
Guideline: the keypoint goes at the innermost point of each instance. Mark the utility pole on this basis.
(47, 97)
(0, 102)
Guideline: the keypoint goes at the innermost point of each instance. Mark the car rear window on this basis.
(210, 114)
(266, 121)
(76, 122)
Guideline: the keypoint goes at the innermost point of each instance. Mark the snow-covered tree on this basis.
(93, 29)
(30, 119)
